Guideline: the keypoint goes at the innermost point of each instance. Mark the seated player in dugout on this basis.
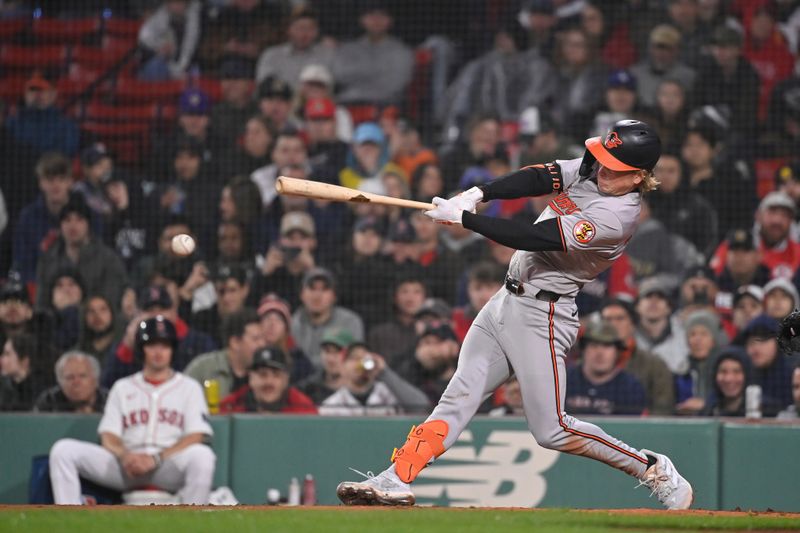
(529, 326)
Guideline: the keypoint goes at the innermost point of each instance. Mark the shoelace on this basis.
(659, 485)
(368, 475)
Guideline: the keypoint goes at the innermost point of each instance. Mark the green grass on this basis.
(417, 520)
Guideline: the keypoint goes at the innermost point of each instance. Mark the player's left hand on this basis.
(468, 200)
(445, 212)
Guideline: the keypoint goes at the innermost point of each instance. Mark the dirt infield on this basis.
(274, 508)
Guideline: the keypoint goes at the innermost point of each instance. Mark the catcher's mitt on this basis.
(789, 333)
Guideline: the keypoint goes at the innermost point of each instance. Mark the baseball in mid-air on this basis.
(183, 244)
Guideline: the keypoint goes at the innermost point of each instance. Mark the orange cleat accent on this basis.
(424, 443)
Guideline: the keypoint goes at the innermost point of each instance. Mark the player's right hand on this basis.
(445, 212)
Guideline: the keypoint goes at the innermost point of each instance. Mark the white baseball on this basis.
(183, 244)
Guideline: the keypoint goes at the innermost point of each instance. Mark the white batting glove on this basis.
(468, 200)
(445, 212)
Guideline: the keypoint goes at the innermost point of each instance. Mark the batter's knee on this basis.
(550, 439)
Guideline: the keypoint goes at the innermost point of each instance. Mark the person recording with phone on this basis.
(371, 388)
(289, 258)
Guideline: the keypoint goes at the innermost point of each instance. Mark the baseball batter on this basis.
(529, 325)
(152, 431)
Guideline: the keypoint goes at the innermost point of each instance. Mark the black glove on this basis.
(789, 333)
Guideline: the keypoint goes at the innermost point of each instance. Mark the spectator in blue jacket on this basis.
(596, 385)
(771, 367)
(39, 124)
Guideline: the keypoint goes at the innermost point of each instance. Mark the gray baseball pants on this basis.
(530, 338)
(189, 472)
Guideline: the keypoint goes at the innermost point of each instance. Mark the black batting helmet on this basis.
(628, 145)
(156, 329)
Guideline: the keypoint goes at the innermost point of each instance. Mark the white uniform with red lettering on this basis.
(149, 419)
(532, 335)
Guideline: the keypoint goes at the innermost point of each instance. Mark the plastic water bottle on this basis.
(309, 490)
(294, 492)
(752, 401)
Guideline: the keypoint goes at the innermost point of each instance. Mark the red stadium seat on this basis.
(32, 57)
(211, 87)
(98, 112)
(363, 113)
(11, 89)
(765, 174)
(127, 28)
(64, 31)
(10, 28)
(133, 91)
(93, 57)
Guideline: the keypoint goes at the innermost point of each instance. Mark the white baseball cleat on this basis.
(384, 489)
(666, 483)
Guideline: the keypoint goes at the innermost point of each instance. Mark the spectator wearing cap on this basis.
(319, 312)
(398, 335)
(621, 102)
(194, 108)
(289, 258)
(268, 388)
(316, 83)
(371, 388)
(650, 370)
(766, 49)
(240, 29)
(705, 338)
(22, 372)
(97, 168)
(779, 252)
(37, 226)
(792, 412)
(368, 160)
(730, 378)
(229, 115)
(364, 274)
(743, 264)
(723, 179)
(159, 36)
(727, 78)
(242, 337)
(101, 328)
(663, 62)
(699, 291)
(190, 190)
(130, 228)
(78, 390)
(39, 125)
(658, 330)
(780, 298)
(484, 279)
(286, 61)
(432, 362)
(66, 297)
(327, 152)
(16, 311)
(327, 379)
(683, 212)
(377, 67)
(772, 369)
(276, 322)
(154, 300)
(102, 271)
(597, 385)
(232, 287)
(748, 303)
(289, 150)
(274, 100)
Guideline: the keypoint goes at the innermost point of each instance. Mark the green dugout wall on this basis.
(496, 462)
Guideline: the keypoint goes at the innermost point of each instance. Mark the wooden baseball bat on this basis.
(337, 193)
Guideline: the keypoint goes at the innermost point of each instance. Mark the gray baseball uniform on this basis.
(529, 331)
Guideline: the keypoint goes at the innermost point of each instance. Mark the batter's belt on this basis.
(516, 287)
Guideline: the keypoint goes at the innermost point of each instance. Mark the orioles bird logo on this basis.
(584, 231)
(613, 140)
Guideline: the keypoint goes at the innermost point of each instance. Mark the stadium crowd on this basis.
(292, 305)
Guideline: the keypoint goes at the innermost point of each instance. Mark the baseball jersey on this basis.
(150, 418)
(595, 229)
